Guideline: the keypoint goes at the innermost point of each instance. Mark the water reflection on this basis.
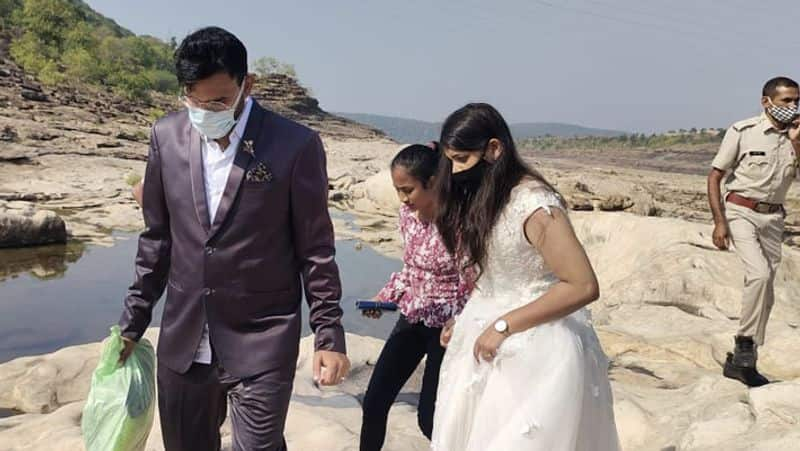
(41, 262)
(57, 296)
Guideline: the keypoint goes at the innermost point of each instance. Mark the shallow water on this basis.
(5, 413)
(56, 296)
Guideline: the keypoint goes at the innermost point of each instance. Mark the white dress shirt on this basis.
(217, 164)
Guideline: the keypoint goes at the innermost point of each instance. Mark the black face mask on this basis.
(471, 178)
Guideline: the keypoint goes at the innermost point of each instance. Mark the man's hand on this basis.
(127, 350)
(721, 236)
(138, 192)
(330, 368)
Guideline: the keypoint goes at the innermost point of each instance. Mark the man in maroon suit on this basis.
(237, 225)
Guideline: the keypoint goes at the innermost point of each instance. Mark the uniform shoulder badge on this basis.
(747, 123)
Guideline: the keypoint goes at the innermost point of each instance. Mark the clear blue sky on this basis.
(640, 65)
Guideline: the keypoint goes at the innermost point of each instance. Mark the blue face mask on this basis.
(214, 124)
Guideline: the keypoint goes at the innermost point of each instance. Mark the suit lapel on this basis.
(240, 163)
(198, 178)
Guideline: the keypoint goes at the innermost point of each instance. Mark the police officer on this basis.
(760, 157)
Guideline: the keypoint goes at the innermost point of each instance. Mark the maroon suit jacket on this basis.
(244, 273)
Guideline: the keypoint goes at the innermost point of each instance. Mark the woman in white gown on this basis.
(524, 369)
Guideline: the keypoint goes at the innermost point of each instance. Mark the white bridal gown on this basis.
(547, 388)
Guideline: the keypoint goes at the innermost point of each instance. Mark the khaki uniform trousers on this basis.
(757, 240)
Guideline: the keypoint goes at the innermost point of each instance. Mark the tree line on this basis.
(65, 41)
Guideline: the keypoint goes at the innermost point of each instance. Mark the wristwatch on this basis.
(501, 326)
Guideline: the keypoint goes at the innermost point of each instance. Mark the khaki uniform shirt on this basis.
(761, 160)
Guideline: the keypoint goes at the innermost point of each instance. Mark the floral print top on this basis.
(430, 287)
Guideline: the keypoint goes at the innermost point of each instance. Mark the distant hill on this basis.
(414, 131)
(66, 42)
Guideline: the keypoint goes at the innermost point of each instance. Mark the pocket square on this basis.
(260, 173)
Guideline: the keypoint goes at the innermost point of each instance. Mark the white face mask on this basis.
(782, 114)
(214, 124)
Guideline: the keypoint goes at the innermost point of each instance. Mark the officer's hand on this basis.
(794, 130)
(721, 236)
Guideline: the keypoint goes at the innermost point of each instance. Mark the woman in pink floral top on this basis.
(430, 290)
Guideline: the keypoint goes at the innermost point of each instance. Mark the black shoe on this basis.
(747, 375)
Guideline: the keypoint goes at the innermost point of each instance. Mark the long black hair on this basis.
(420, 161)
(467, 216)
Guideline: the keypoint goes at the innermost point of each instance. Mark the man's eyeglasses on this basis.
(213, 105)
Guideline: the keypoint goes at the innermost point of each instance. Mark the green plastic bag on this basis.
(118, 414)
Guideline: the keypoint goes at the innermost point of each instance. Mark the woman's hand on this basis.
(487, 344)
(373, 313)
(447, 332)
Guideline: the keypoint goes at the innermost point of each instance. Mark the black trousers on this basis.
(407, 345)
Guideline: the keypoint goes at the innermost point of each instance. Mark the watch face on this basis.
(501, 326)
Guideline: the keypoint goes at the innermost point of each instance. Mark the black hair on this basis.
(209, 51)
(771, 87)
(467, 217)
(420, 161)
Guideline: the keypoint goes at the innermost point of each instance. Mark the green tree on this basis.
(82, 66)
(52, 73)
(30, 53)
(133, 85)
(7, 10)
(267, 65)
(49, 21)
(163, 81)
(46, 25)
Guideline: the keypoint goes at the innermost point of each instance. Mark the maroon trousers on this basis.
(193, 407)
